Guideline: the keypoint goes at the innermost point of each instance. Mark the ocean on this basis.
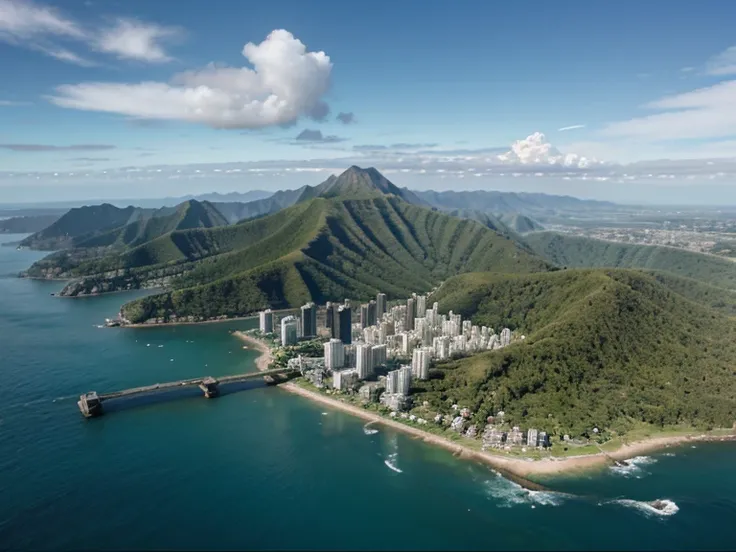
(262, 468)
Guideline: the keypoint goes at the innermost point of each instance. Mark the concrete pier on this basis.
(90, 404)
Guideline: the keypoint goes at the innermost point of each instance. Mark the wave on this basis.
(369, 431)
(633, 466)
(509, 494)
(391, 462)
(667, 507)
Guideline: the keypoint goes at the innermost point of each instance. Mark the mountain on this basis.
(318, 250)
(232, 197)
(529, 204)
(27, 224)
(79, 222)
(504, 223)
(603, 348)
(573, 251)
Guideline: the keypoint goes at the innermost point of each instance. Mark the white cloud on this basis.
(704, 113)
(35, 26)
(133, 39)
(571, 127)
(536, 150)
(722, 64)
(286, 82)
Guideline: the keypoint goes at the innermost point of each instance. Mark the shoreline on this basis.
(514, 467)
(166, 324)
(264, 360)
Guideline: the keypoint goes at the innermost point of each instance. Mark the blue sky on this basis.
(106, 99)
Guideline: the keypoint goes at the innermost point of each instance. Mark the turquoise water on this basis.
(260, 468)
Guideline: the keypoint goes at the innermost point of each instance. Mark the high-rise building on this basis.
(411, 313)
(372, 313)
(345, 325)
(404, 380)
(407, 345)
(363, 360)
(364, 319)
(420, 363)
(379, 355)
(381, 305)
(344, 379)
(334, 354)
(289, 327)
(532, 437)
(329, 316)
(309, 320)
(421, 305)
(505, 337)
(265, 319)
(392, 382)
(350, 356)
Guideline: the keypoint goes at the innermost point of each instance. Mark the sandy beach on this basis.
(264, 360)
(521, 467)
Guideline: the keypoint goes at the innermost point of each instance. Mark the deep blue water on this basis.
(260, 468)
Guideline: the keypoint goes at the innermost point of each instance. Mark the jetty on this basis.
(90, 404)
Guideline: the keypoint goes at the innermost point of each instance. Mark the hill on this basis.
(603, 348)
(491, 201)
(508, 223)
(27, 224)
(577, 252)
(322, 249)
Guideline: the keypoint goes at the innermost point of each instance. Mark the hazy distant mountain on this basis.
(27, 224)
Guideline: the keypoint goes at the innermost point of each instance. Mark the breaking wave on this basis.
(669, 508)
(369, 430)
(634, 467)
(391, 462)
(509, 494)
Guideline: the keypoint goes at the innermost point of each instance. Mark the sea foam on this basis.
(669, 509)
(508, 494)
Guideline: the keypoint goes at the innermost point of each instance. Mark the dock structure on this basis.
(90, 404)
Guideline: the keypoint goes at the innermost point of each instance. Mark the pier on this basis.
(90, 404)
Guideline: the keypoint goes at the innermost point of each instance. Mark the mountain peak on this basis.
(357, 182)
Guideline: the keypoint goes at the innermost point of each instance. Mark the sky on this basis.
(626, 101)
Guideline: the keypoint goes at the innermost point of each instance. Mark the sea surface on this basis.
(261, 468)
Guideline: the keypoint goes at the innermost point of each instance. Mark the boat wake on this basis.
(508, 494)
(633, 467)
(662, 507)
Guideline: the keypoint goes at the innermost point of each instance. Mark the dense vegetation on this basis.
(603, 348)
(320, 250)
(576, 252)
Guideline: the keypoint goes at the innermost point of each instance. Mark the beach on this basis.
(265, 358)
(521, 467)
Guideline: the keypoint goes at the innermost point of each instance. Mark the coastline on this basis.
(515, 467)
(166, 324)
(265, 358)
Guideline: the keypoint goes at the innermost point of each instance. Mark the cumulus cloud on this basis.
(34, 148)
(704, 113)
(39, 27)
(286, 82)
(138, 40)
(346, 118)
(536, 150)
(722, 64)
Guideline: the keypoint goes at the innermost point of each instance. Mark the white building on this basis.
(505, 338)
(343, 380)
(420, 363)
(392, 382)
(265, 319)
(364, 360)
(379, 354)
(334, 354)
(404, 380)
(289, 327)
(532, 437)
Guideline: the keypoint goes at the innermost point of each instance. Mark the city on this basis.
(372, 354)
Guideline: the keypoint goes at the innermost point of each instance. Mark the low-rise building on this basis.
(343, 380)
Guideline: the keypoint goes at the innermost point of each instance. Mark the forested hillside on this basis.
(319, 250)
(575, 252)
(603, 348)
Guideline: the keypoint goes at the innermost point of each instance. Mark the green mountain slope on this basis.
(78, 222)
(603, 348)
(573, 251)
(319, 250)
